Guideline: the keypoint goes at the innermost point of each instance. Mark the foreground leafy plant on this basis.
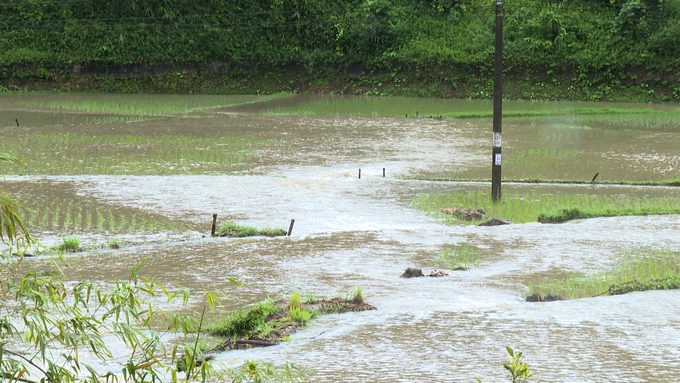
(519, 370)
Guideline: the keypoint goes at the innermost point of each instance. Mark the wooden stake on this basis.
(383, 172)
(212, 231)
(17, 120)
(359, 173)
(290, 228)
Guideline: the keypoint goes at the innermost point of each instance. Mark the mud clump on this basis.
(439, 273)
(547, 298)
(495, 222)
(463, 213)
(412, 273)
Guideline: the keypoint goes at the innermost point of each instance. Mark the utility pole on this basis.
(497, 106)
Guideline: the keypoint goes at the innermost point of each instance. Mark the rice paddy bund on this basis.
(547, 208)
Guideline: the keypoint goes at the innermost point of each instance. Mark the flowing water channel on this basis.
(365, 232)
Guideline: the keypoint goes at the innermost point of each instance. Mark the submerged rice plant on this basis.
(638, 271)
(135, 105)
(75, 154)
(458, 257)
(67, 216)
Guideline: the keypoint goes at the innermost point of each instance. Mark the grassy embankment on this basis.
(638, 271)
(547, 208)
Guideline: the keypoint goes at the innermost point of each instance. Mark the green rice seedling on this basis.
(69, 244)
(114, 243)
(133, 223)
(310, 298)
(458, 257)
(295, 300)
(100, 220)
(246, 323)
(55, 218)
(358, 297)
(88, 220)
(122, 223)
(112, 223)
(299, 315)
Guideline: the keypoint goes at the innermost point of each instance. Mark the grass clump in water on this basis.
(274, 321)
(247, 323)
(69, 244)
(547, 208)
(640, 271)
(231, 229)
(458, 258)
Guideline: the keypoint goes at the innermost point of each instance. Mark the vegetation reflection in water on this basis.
(638, 271)
(162, 154)
(522, 208)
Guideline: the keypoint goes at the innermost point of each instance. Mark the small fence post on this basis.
(212, 231)
(290, 228)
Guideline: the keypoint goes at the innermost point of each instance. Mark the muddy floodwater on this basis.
(263, 162)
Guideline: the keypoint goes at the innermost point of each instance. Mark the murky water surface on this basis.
(363, 232)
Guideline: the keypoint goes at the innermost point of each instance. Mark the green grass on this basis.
(550, 207)
(246, 323)
(68, 244)
(637, 271)
(262, 319)
(162, 154)
(458, 257)
(231, 229)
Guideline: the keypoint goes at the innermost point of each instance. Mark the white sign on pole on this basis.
(496, 140)
(498, 159)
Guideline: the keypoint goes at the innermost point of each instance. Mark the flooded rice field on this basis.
(150, 171)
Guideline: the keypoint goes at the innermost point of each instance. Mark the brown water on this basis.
(363, 232)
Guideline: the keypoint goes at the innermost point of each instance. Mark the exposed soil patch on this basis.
(467, 214)
(495, 222)
(547, 298)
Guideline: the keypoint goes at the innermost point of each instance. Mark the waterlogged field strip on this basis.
(399, 107)
(655, 119)
(638, 271)
(522, 208)
(163, 154)
(134, 105)
(546, 164)
(42, 214)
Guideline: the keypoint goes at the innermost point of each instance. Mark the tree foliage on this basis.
(582, 34)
